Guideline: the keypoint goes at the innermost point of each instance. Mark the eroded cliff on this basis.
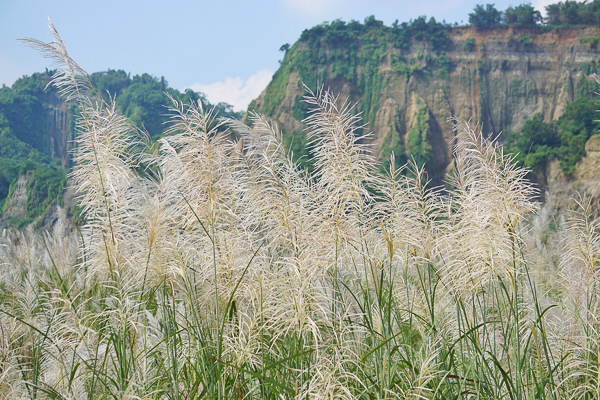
(500, 77)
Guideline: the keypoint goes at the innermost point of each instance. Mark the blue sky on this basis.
(227, 49)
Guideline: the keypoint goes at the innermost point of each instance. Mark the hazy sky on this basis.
(226, 49)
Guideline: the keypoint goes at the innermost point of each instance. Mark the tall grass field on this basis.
(214, 268)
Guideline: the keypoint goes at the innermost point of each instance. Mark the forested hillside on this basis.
(37, 126)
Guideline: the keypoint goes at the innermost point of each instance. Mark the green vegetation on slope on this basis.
(27, 112)
(23, 107)
(352, 51)
(393, 144)
(143, 98)
(417, 140)
(25, 145)
(539, 142)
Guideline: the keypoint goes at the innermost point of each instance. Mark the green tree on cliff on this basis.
(523, 15)
(484, 17)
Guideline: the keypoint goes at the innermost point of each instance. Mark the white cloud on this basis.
(312, 8)
(540, 5)
(235, 91)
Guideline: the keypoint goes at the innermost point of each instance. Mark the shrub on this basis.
(525, 40)
(418, 141)
(470, 45)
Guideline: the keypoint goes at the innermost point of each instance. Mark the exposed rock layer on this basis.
(501, 81)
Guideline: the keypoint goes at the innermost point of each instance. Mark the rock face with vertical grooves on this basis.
(499, 77)
(57, 125)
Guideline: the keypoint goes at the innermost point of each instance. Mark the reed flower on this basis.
(211, 265)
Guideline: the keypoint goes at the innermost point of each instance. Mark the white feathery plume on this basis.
(199, 164)
(580, 267)
(583, 246)
(104, 154)
(411, 213)
(279, 193)
(71, 80)
(110, 190)
(344, 165)
(281, 206)
(491, 198)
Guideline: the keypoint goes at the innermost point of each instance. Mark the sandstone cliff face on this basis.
(56, 124)
(499, 77)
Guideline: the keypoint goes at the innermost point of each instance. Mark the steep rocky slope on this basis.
(500, 77)
(57, 120)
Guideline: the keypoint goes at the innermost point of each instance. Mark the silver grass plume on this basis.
(344, 165)
(281, 193)
(344, 172)
(110, 191)
(580, 267)
(200, 165)
(410, 214)
(71, 80)
(104, 154)
(282, 207)
(490, 199)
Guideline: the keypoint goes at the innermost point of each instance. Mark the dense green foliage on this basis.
(22, 109)
(487, 16)
(573, 13)
(523, 15)
(43, 188)
(392, 145)
(539, 142)
(25, 144)
(559, 14)
(143, 98)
